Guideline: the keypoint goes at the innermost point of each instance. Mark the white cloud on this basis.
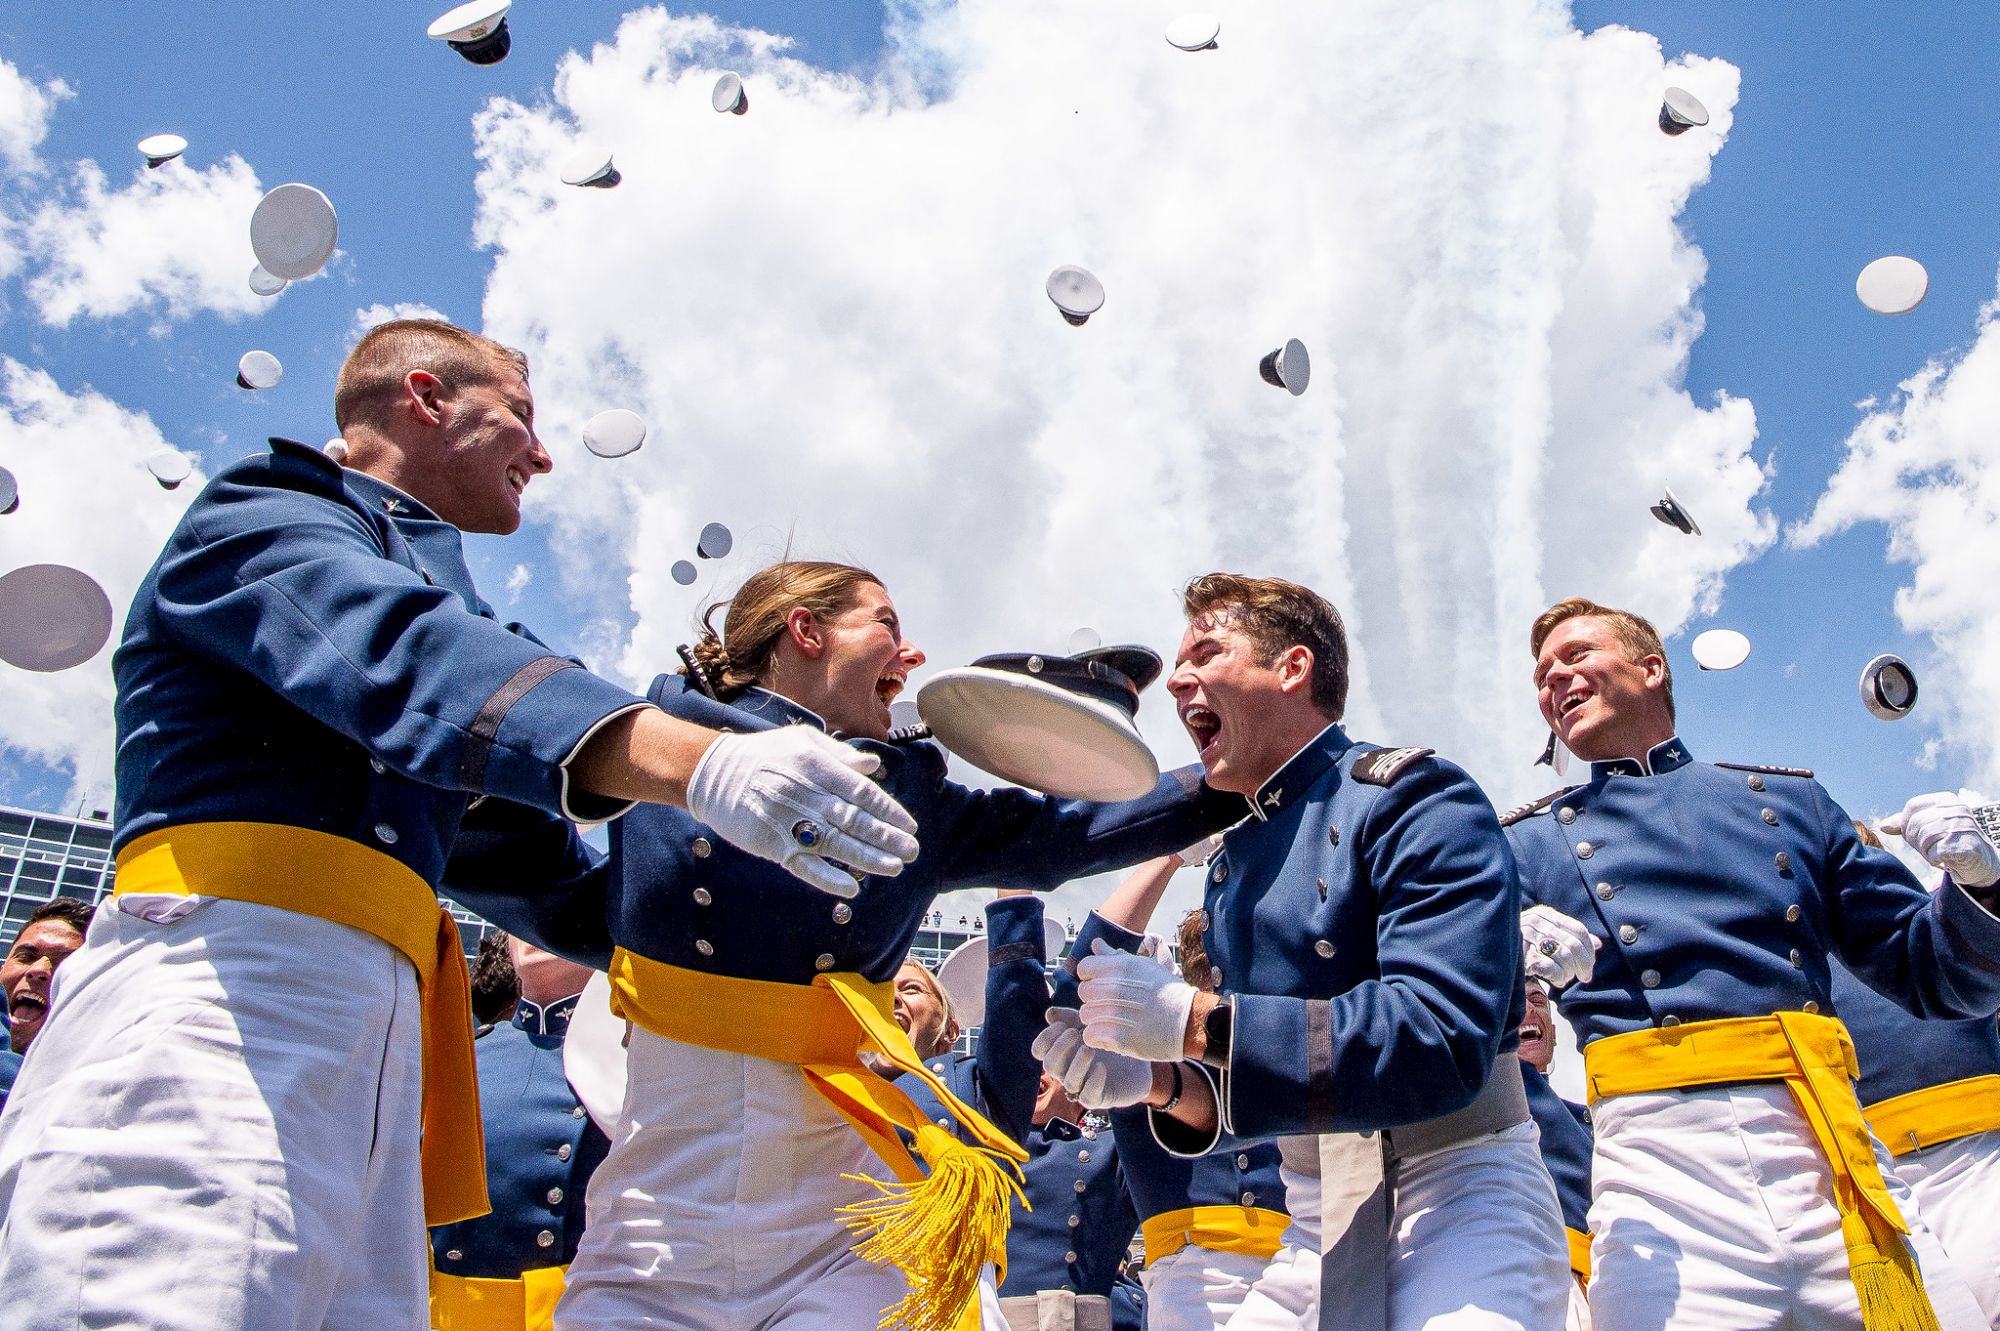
(1923, 464)
(88, 501)
(372, 316)
(517, 582)
(25, 109)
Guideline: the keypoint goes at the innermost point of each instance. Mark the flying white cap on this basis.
(1721, 649)
(258, 369)
(728, 96)
(169, 466)
(10, 492)
(1083, 640)
(1288, 367)
(293, 231)
(264, 284)
(590, 167)
(1681, 111)
(1674, 513)
(477, 30)
(159, 149)
(715, 542)
(337, 450)
(1194, 32)
(51, 617)
(614, 433)
(1076, 292)
(1892, 284)
(1888, 687)
(684, 573)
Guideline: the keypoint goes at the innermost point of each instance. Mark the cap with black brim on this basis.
(591, 168)
(1681, 111)
(1888, 687)
(1720, 649)
(1674, 513)
(293, 231)
(1076, 292)
(10, 492)
(170, 467)
(728, 96)
(614, 433)
(1194, 32)
(258, 370)
(715, 541)
(159, 149)
(1288, 368)
(477, 30)
(52, 617)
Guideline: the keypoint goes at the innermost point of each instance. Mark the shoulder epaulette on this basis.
(1533, 807)
(1774, 771)
(909, 734)
(1384, 765)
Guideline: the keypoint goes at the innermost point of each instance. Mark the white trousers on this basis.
(1958, 1186)
(716, 1209)
(217, 1130)
(1712, 1210)
(1476, 1237)
(1199, 1289)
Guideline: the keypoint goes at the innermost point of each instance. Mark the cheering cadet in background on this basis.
(751, 998)
(310, 693)
(1734, 1182)
(1364, 918)
(504, 1270)
(1565, 1130)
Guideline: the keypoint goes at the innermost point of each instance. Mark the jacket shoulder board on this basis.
(1774, 771)
(1384, 765)
(1533, 807)
(909, 734)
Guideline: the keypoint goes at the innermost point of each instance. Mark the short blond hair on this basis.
(931, 983)
(1635, 634)
(372, 375)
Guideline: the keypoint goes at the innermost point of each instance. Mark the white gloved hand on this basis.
(1155, 948)
(1097, 1078)
(1202, 851)
(1556, 948)
(1941, 828)
(1131, 1005)
(802, 798)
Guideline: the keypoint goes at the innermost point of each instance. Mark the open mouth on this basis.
(22, 1006)
(1573, 700)
(517, 480)
(890, 685)
(1204, 727)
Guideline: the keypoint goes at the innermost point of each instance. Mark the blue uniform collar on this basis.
(380, 494)
(550, 1020)
(776, 708)
(1661, 758)
(1060, 1130)
(1295, 778)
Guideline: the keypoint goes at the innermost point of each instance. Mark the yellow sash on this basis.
(1579, 1253)
(1814, 1058)
(466, 1303)
(940, 1228)
(1936, 1114)
(332, 878)
(1245, 1229)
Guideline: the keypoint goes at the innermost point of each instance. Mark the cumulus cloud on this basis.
(25, 109)
(87, 500)
(372, 316)
(1923, 465)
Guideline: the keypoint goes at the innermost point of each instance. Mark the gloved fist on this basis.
(1157, 949)
(1556, 948)
(802, 798)
(1131, 1005)
(1097, 1078)
(1941, 828)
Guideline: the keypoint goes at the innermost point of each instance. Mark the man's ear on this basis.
(1655, 667)
(1295, 668)
(951, 1031)
(804, 632)
(423, 396)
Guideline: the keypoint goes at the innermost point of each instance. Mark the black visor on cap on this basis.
(488, 50)
(1895, 687)
(1105, 674)
(1141, 665)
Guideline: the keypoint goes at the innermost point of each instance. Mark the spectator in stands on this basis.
(54, 931)
(495, 987)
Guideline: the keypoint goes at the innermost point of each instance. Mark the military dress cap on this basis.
(962, 975)
(728, 96)
(594, 1053)
(264, 283)
(293, 231)
(10, 492)
(1076, 292)
(590, 168)
(52, 617)
(476, 30)
(1720, 649)
(257, 370)
(170, 467)
(715, 541)
(1674, 513)
(1681, 111)
(614, 433)
(1058, 724)
(684, 573)
(1888, 687)
(1892, 284)
(1288, 367)
(159, 149)
(1194, 32)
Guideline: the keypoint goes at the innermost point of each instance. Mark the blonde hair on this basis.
(372, 376)
(741, 654)
(937, 989)
(1636, 635)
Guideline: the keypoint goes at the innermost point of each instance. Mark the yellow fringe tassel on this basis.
(940, 1230)
(1886, 1278)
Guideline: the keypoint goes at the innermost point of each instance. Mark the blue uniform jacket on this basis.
(1900, 1053)
(686, 898)
(1566, 1144)
(1370, 934)
(10, 1067)
(541, 1149)
(309, 650)
(1719, 892)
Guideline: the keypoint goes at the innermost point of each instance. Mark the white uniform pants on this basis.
(1713, 1208)
(1199, 1289)
(1958, 1186)
(716, 1209)
(217, 1130)
(1476, 1237)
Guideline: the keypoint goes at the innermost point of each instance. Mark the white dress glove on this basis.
(1941, 828)
(802, 798)
(1097, 1078)
(1556, 948)
(1131, 1005)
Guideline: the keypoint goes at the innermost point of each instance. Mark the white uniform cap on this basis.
(715, 541)
(614, 433)
(1674, 513)
(1892, 285)
(51, 617)
(476, 30)
(264, 284)
(293, 231)
(1194, 32)
(594, 1054)
(1288, 367)
(1083, 640)
(10, 492)
(337, 450)
(1721, 649)
(159, 149)
(1076, 292)
(1888, 687)
(258, 369)
(962, 975)
(684, 573)
(728, 95)
(590, 167)
(1681, 111)
(169, 466)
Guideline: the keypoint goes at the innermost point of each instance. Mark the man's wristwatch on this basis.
(1215, 1029)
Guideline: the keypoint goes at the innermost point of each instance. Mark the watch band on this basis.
(1215, 1031)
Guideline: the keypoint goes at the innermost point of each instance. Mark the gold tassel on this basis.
(939, 1230)
(1886, 1279)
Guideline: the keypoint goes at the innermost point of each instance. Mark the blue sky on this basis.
(1861, 129)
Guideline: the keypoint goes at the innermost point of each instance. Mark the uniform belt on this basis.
(1502, 1103)
(941, 1228)
(1814, 1058)
(1936, 1114)
(329, 877)
(1579, 1253)
(1056, 1310)
(467, 1303)
(1245, 1229)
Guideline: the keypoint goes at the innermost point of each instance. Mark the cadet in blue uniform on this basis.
(1363, 920)
(1565, 1130)
(310, 692)
(750, 999)
(1718, 896)
(503, 1271)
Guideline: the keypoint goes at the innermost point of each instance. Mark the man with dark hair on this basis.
(265, 1064)
(1364, 921)
(53, 931)
(1734, 1181)
(495, 987)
